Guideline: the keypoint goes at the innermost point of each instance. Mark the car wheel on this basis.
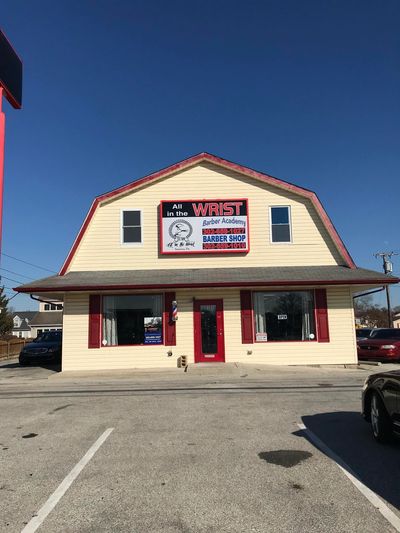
(380, 422)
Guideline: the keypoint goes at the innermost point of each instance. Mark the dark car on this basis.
(363, 333)
(381, 404)
(45, 348)
(382, 345)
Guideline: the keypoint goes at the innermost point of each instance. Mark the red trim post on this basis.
(94, 340)
(321, 311)
(169, 324)
(246, 315)
(2, 147)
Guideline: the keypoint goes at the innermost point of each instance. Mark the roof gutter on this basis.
(275, 283)
(44, 301)
(368, 293)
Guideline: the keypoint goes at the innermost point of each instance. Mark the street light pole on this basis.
(389, 309)
(388, 269)
(2, 147)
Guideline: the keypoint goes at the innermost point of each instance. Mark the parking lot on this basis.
(220, 450)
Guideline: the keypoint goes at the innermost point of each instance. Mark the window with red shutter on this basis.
(321, 311)
(94, 321)
(246, 313)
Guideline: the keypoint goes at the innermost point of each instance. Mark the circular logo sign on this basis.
(180, 230)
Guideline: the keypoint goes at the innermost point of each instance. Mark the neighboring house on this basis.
(29, 324)
(250, 265)
(46, 321)
(396, 321)
(21, 321)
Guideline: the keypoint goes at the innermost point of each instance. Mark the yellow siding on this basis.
(101, 248)
(340, 350)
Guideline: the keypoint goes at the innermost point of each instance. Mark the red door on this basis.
(209, 346)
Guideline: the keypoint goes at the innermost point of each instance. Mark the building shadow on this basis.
(55, 367)
(350, 437)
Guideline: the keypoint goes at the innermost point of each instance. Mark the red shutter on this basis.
(169, 325)
(94, 320)
(246, 313)
(321, 311)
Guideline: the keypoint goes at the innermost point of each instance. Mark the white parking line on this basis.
(37, 520)
(371, 496)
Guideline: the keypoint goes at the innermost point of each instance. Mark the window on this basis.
(131, 227)
(135, 319)
(284, 316)
(385, 334)
(47, 307)
(280, 224)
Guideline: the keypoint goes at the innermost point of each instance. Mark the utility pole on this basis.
(388, 269)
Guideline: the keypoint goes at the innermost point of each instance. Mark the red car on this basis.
(382, 345)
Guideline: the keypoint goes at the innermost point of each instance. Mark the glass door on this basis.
(209, 331)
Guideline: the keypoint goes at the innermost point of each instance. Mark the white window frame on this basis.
(131, 244)
(290, 225)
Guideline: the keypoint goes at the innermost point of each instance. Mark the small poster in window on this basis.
(282, 317)
(152, 330)
(261, 337)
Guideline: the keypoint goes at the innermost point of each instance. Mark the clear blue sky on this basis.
(307, 91)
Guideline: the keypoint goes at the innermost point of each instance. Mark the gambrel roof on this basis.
(218, 161)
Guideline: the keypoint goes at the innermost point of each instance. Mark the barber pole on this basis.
(174, 311)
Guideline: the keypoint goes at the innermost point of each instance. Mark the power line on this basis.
(16, 273)
(11, 279)
(27, 263)
(9, 299)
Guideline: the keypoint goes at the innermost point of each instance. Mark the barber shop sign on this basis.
(204, 226)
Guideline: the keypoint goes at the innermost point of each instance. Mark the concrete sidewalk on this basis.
(217, 371)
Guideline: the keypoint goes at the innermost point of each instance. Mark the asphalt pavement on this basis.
(207, 450)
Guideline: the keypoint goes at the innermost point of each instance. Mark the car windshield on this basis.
(386, 334)
(49, 336)
(363, 332)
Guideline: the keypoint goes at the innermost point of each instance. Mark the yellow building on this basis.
(210, 260)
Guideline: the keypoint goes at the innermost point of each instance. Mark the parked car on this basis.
(381, 404)
(45, 348)
(382, 345)
(363, 333)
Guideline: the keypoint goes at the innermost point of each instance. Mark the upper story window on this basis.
(281, 230)
(131, 227)
(53, 307)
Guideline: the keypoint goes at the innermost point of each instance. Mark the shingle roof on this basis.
(47, 318)
(23, 327)
(24, 314)
(207, 277)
